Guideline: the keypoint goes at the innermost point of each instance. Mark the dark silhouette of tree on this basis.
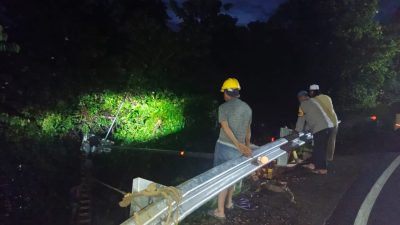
(209, 34)
(338, 44)
(6, 46)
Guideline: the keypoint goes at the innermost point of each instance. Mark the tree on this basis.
(7, 51)
(74, 47)
(7, 46)
(369, 54)
(391, 90)
(210, 37)
(341, 45)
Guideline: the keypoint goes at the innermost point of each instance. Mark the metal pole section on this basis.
(202, 188)
(115, 118)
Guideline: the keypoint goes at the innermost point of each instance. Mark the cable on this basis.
(115, 118)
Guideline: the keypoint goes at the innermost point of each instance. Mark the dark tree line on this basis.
(70, 47)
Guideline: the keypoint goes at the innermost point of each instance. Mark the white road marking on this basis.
(369, 201)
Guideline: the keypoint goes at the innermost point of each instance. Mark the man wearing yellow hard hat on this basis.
(235, 118)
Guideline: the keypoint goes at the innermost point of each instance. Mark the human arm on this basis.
(245, 150)
(248, 136)
(300, 121)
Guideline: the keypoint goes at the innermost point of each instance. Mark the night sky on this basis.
(247, 11)
(388, 8)
(251, 10)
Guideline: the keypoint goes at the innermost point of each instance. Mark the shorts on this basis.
(224, 153)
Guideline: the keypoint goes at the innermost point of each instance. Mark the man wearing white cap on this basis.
(312, 118)
(326, 103)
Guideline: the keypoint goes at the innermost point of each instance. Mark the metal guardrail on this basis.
(200, 189)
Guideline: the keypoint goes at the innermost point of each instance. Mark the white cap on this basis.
(314, 87)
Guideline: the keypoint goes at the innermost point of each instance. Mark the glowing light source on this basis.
(273, 139)
(263, 160)
(373, 117)
(182, 153)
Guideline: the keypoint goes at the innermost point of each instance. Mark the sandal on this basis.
(243, 199)
(244, 204)
(320, 172)
(309, 166)
(212, 214)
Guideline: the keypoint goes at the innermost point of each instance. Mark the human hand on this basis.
(245, 150)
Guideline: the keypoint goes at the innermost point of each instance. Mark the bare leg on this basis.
(331, 144)
(229, 202)
(220, 211)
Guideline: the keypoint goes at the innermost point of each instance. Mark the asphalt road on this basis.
(386, 209)
(374, 197)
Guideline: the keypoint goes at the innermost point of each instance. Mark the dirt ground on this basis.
(316, 196)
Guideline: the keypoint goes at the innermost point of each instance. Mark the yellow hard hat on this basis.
(230, 83)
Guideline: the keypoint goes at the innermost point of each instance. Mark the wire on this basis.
(115, 118)
(110, 187)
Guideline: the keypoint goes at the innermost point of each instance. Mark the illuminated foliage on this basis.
(54, 123)
(142, 117)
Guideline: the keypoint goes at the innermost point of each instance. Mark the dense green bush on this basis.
(143, 117)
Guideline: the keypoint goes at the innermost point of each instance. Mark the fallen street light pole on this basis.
(200, 189)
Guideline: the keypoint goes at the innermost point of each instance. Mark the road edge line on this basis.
(369, 201)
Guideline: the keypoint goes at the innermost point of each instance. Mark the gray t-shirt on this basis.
(238, 115)
(312, 116)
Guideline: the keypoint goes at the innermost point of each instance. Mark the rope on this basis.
(170, 194)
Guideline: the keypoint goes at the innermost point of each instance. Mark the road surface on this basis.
(374, 197)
